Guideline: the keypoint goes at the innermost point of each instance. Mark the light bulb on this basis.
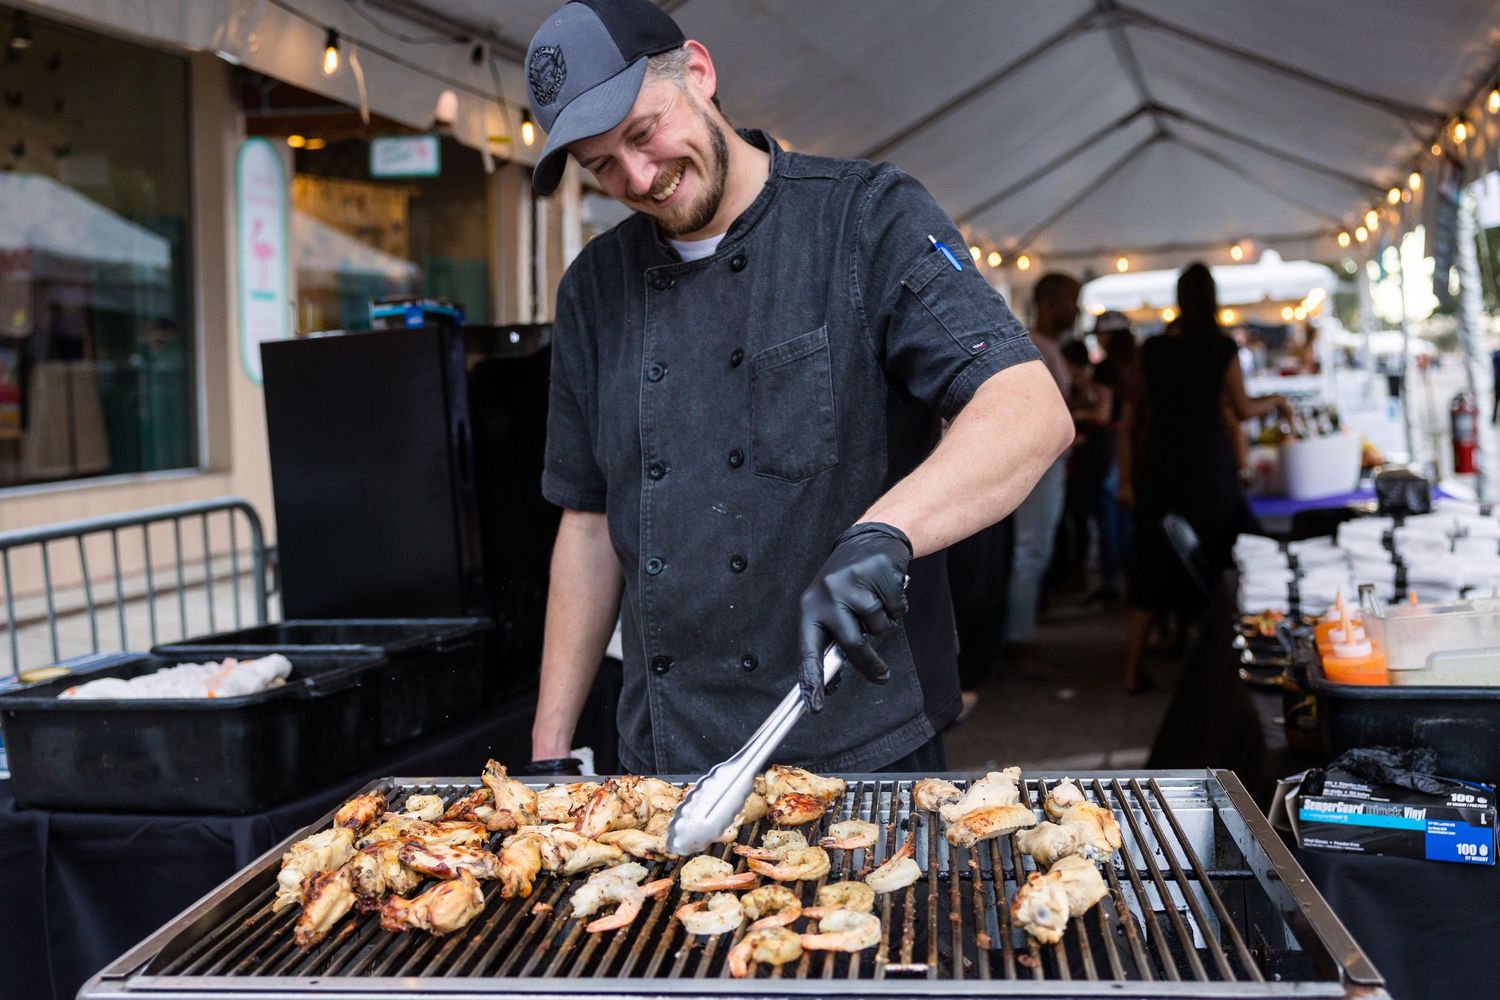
(1405, 197)
(1372, 220)
(1493, 103)
(528, 128)
(296, 141)
(316, 143)
(331, 53)
(1122, 264)
(1097, 310)
(1299, 313)
(994, 259)
(1237, 252)
(1169, 314)
(1415, 180)
(1023, 262)
(1460, 130)
(974, 253)
(1393, 195)
(1286, 313)
(1343, 239)
(1361, 233)
(1437, 149)
(1226, 316)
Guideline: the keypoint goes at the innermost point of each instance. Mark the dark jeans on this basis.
(929, 758)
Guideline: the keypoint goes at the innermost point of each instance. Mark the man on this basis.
(747, 377)
(1055, 300)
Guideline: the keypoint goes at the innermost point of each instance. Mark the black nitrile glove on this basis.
(860, 590)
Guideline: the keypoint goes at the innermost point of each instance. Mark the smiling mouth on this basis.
(667, 190)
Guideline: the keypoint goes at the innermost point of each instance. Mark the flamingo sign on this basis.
(261, 205)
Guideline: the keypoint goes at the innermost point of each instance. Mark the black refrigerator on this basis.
(406, 468)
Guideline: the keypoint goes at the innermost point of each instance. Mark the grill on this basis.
(1205, 902)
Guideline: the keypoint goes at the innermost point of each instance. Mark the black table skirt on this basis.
(80, 889)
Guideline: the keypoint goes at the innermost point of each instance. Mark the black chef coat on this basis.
(732, 415)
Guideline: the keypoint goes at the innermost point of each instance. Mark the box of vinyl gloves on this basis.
(1351, 816)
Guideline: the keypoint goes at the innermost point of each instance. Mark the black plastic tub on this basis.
(435, 670)
(1461, 723)
(225, 756)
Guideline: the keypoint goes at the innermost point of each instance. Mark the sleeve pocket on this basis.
(963, 303)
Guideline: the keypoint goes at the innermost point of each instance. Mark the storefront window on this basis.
(97, 367)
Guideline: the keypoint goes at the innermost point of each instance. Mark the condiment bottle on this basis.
(1356, 661)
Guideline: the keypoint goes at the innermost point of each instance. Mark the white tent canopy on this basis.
(1268, 279)
(39, 214)
(1075, 130)
(324, 253)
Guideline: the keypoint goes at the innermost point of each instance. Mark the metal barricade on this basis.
(72, 595)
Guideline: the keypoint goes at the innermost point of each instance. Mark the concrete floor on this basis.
(1058, 705)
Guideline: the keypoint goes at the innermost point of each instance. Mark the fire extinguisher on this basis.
(1463, 414)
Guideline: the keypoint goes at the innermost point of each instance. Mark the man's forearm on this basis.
(583, 602)
(997, 448)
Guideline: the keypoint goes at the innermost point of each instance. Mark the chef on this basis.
(750, 378)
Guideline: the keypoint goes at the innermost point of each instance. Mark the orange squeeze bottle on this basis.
(1333, 620)
(1354, 659)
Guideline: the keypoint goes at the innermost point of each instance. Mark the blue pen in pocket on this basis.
(942, 248)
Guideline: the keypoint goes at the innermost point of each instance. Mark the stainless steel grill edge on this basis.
(1205, 901)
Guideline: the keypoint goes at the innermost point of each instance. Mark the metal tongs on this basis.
(708, 809)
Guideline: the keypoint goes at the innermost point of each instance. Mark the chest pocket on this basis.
(794, 426)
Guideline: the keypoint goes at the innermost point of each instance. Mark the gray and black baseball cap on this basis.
(584, 69)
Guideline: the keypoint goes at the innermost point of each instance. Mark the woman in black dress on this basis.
(1194, 397)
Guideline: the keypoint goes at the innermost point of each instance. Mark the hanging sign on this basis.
(261, 195)
(405, 156)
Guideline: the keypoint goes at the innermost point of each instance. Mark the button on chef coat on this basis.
(818, 348)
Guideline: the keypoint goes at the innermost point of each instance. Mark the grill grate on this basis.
(1188, 914)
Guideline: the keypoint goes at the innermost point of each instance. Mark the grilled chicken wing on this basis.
(1098, 831)
(454, 833)
(326, 897)
(520, 861)
(795, 808)
(639, 844)
(615, 805)
(987, 823)
(566, 852)
(442, 909)
(1047, 842)
(998, 788)
(360, 811)
(514, 804)
(1082, 882)
(934, 793)
(659, 796)
(781, 780)
(560, 803)
(394, 826)
(476, 807)
(1062, 796)
(1041, 908)
(445, 862)
(322, 852)
(377, 870)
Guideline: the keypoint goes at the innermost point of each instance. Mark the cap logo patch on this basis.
(547, 73)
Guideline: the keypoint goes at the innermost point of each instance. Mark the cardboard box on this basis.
(1333, 811)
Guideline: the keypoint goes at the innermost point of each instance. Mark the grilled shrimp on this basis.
(794, 809)
(629, 898)
(772, 945)
(795, 865)
(773, 845)
(716, 914)
(850, 835)
(708, 874)
(426, 807)
(844, 896)
(771, 906)
(845, 930)
(898, 872)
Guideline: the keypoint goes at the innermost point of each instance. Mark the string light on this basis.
(1415, 180)
(1372, 220)
(296, 141)
(1122, 264)
(1460, 130)
(1286, 313)
(331, 53)
(1405, 197)
(1237, 252)
(974, 254)
(1344, 238)
(1226, 316)
(1299, 313)
(528, 128)
(1023, 262)
(994, 259)
(1393, 195)
(1437, 149)
(316, 143)
(1169, 314)
(1361, 233)
(1493, 103)
(20, 35)
(1097, 310)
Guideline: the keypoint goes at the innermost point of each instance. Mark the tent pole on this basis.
(1407, 382)
(1471, 339)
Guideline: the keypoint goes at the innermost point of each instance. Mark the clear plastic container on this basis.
(1440, 644)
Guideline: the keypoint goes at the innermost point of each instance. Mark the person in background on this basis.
(1088, 463)
(1119, 373)
(1055, 302)
(1186, 464)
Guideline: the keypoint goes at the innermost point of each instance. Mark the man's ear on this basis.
(701, 75)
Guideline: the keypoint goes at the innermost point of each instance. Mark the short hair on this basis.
(671, 66)
(1076, 352)
(1055, 284)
